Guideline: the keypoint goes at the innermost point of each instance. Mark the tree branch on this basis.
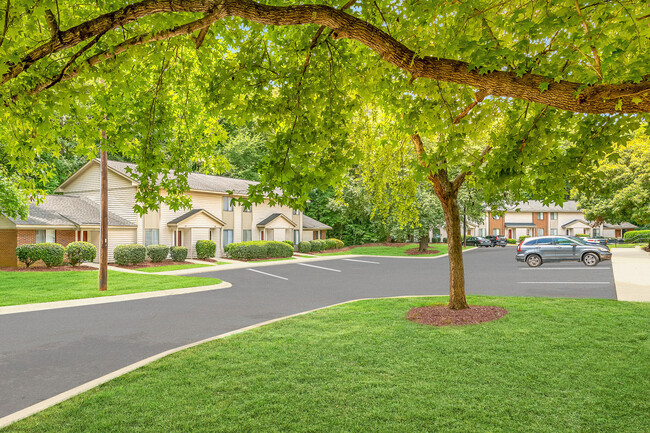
(565, 95)
(597, 67)
(478, 97)
(6, 26)
(460, 178)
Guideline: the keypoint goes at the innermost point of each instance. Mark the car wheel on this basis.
(590, 259)
(533, 260)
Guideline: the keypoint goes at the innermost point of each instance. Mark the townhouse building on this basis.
(73, 215)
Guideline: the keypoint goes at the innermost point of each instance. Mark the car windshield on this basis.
(577, 239)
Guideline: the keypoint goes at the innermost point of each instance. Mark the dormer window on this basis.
(227, 204)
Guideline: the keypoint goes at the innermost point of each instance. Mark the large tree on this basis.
(487, 90)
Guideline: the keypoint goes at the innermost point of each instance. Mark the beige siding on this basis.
(119, 237)
(5, 223)
(229, 219)
(247, 220)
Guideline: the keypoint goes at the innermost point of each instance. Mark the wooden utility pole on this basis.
(103, 224)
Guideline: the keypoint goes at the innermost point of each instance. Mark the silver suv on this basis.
(535, 251)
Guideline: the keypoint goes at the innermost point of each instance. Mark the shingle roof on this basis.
(624, 225)
(507, 224)
(312, 224)
(191, 213)
(538, 206)
(271, 217)
(197, 181)
(577, 220)
(68, 211)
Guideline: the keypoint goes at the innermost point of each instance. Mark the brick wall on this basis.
(541, 223)
(496, 224)
(26, 237)
(8, 248)
(323, 234)
(64, 237)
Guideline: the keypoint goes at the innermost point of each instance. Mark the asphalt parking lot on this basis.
(48, 352)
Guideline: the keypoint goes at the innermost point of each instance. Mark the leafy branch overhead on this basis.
(587, 58)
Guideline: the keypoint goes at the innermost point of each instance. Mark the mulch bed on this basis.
(441, 315)
(377, 244)
(52, 269)
(150, 264)
(415, 252)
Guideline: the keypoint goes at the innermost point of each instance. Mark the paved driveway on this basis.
(45, 353)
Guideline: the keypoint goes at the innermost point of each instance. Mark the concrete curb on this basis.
(25, 308)
(38, 407)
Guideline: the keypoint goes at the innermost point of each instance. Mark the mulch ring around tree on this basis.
(415, 251)
(441, 315)
(52, 269)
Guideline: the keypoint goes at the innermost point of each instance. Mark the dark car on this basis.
(499, 240)
(478, 241)
(535, 251)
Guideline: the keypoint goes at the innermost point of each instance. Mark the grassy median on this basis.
(399, 251)
(550, 365)
(31, 287)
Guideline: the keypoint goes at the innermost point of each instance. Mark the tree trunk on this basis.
(423, 243)
(457, 299)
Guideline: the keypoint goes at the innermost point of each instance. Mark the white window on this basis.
(553, 215)
(540, 215)
(553, 232)
(45, 236)
(151, 237)
(40, 236)
(227, 237)
(246, 208)
(496, 217)
(296, 212)
(596, 232)
(481, 232)
(540, 232)
(247, 235)
(316, 233)
(296, 237)
(227, 204)
(496, 232)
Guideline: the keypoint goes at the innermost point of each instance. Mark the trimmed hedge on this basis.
(79, 252)
(339, 243)
(317, 245)
(157, 253)
(130, 254)
(511, 241)
(51, 254)
(304, 247)
(330, 244)
(636, 234)
(179, 254)
(206, 249)
(258, 250)
(582, 235)
(521, 238)
(289, 243)
(28, 254)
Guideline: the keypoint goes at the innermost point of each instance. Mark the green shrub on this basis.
(28, 254)
(206, 249)
(521, 238)
(316, 245)
(637, 236)
(304, 247)
(179, 254)
(289, 243)
(339, 243)
(582, 235)
(79, 252)
(130, 254)
(157, 253)
(511, 241)
(330, 244)
(258, 250)
(51, 254)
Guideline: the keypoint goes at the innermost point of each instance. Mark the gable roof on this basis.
(538, 206)
(576, 221)
(68, 211)
(273, 217)
(312, 224)
(193, 212)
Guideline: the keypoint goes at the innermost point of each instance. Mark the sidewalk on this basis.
(631, 268)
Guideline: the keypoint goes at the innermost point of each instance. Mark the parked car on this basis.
(501, 241)
(535, 251)
(597, 240)
(478, 241)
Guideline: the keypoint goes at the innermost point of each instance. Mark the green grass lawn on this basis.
(173, 267)
(628, 245)
(389, 251)
(30, 287)
(550, 365)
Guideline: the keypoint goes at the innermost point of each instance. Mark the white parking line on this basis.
(319, 267)
(563, 282)
(361, 261)
(265, 273)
